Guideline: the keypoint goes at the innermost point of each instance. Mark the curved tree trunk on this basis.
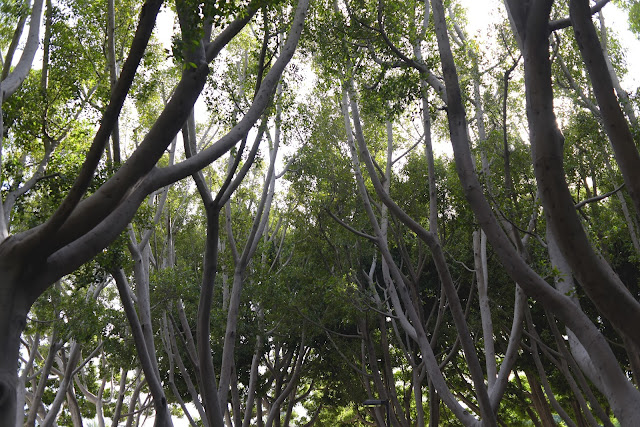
(622, 396)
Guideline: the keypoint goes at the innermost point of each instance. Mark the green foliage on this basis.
(307, 290)
(633, 9)
(10, 13)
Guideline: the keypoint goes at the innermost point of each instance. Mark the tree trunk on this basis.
(253, 380)
(259, 408)
(74, 409)
(434, 406)
(539, 401)
(414, 329)
(131, 409)
(622, 396)
(577, 412)
(36, 397)
(9, 340)
(417, 376)
(21, 398)
(13, 316)
(113, 74)
(65, 382)
(149, 366)
(613, 119)
(482, 278)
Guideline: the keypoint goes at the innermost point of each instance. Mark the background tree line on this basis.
(297, 242)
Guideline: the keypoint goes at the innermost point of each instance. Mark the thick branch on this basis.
(14, 80)
(559, 24)
(613, 118)
(131, 175)
(109, 119)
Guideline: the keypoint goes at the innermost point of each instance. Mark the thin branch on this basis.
(598, 198)
(14, 79)
(351, 229)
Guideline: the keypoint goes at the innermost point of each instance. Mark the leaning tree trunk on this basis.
(622, 396)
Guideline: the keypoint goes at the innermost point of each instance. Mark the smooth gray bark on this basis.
(543, 375)
(80, 230)
(65, 382)
(482, 278)
(290, 388)
(412, 315)
(172, 350)
(443, 271)
(113, 73)
(13, 46)
(618, 385)
(12, 82)
(120, 400)
(258, 227)
(147, 361)
(598, 279)
(215, 397)
(36, 398)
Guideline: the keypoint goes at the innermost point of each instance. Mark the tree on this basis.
(80, 227)
(556, 302)
(482, 288)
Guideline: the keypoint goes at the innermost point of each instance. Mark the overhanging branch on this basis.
(566, 22)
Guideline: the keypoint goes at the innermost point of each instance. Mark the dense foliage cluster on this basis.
(264, 213)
